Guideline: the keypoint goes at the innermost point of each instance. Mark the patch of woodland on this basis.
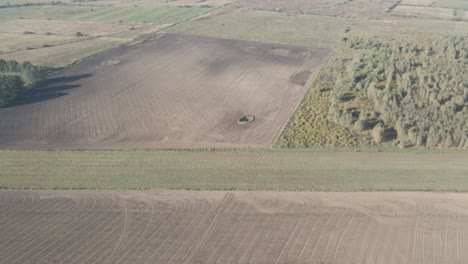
(410, 92)
(17, 78)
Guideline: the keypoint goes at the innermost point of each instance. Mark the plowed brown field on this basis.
(175, 91)
(233, 227)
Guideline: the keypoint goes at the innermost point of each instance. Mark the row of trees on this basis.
(16, 78)
(414, 91)
(9, 5)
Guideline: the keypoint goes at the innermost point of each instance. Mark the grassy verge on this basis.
(273, 170)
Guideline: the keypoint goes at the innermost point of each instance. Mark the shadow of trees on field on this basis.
(66, 79)
(47, 90)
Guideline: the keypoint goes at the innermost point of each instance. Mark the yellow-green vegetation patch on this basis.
(309, 126)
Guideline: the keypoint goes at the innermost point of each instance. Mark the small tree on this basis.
(10, 87)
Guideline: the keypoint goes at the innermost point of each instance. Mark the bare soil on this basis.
(177, 91)
(233, 227)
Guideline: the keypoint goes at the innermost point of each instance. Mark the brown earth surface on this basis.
(177, 91)
(233, 227)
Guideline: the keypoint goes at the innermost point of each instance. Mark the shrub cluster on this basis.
(16, 78)
(411, 91)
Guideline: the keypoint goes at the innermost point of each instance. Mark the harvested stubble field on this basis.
(176, 91)
(233, 227)
(270, 170)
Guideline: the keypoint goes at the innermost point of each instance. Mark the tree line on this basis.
(17, 78)
(411, 91)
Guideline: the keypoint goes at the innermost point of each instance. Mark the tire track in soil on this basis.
(259, 252)
(152, 240)
(234, 227)
(231, 211)
(24, 241)
(370, 242)
(321, 234)
(227, 238)
(123, 232)
(81, 227)
(98, 242)
(31, 235)
(342, 236)
(101, 242)
(249, 171)
(333, 233)
(265, 222)
(146, 241)
(227, 197)
(15, 222)
(13, 208)
(296, 226)
(187, 228)
(192, 204)
(237, 235)
(285, 210)
(62, 228)
(142, 234)
(306, 244)
(303, 230)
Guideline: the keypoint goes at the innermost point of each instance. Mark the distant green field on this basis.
(236, 169)
(42, 12)
(268, 26)
(307, 30)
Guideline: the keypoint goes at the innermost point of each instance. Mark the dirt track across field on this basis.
(177, 91)
(233, 227)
